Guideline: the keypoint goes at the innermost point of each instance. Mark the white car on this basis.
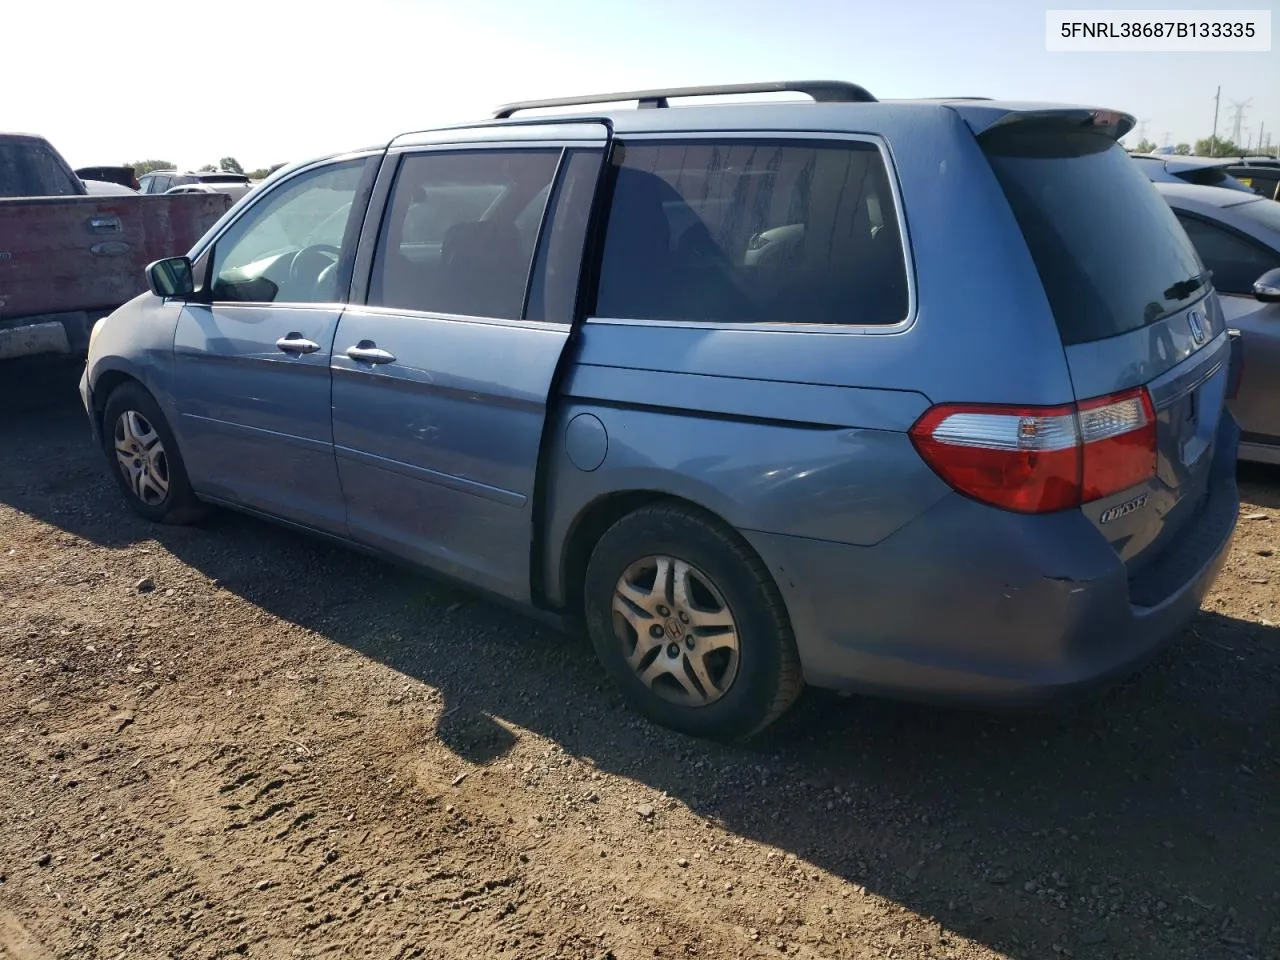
(1238, 239)
(107, 188)
(196, 188)
(234, 185)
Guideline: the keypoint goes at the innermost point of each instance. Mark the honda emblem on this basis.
(1197, 326)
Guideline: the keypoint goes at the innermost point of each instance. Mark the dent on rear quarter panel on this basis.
(137, 340)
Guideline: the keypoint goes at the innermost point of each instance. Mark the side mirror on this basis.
(171, 277)
(1267, 287)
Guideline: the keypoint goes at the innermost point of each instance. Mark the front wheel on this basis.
(142, 455)
(687, 620)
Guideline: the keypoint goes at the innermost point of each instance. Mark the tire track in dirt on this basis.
(16, 942)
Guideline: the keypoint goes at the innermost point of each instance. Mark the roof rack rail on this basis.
(822, 91)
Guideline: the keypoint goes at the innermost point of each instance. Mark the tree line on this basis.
(1208, 147)
(230, 164)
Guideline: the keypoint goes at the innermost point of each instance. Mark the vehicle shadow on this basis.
(1104, 820)
(1113, 828)
(1260, 484)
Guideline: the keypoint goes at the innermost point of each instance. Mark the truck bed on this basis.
(65, 261)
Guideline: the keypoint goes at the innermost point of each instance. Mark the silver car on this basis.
(919, 398)
(1238, 239)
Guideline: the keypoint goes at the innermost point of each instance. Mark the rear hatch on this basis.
(1141, 328)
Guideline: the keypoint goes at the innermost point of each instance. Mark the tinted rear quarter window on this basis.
(738, 231)
(1107, 247)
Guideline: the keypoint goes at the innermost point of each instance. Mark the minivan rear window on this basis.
(1109, 251)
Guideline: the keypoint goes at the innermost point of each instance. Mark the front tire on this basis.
(689, 623)
(142, 454)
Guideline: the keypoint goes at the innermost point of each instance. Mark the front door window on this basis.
(292, 245)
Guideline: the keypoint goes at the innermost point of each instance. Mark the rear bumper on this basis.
(54, 334)
(1260, 450)
(971, 604)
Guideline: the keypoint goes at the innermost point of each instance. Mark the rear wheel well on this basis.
(599, 517)
(586, 533)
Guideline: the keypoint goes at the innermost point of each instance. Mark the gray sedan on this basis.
(1238, 238)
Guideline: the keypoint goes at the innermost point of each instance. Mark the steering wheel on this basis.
(311, 263)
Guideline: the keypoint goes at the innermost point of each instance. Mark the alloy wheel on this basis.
(677, 632)
(141, 457)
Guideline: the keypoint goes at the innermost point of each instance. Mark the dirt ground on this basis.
(237, 741)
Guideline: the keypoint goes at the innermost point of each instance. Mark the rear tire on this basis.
(687, 620)
(142, 454)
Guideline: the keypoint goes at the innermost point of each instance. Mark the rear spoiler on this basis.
(983, 118)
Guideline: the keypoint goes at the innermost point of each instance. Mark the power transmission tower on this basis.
(1167, 140)
(1213, 137)
(1239, 107)
(1142, 130)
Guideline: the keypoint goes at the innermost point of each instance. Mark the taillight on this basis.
(1118, 437)
(1041, 459)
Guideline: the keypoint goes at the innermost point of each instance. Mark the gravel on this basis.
(281, 748)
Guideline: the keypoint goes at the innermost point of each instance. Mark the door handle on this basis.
(366, 351)
(105, 223)
(296, 343)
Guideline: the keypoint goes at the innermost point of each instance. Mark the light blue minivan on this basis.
(917, 398)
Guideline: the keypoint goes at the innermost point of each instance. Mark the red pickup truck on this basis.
(68, 257)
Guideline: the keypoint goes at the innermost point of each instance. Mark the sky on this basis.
(272, 81)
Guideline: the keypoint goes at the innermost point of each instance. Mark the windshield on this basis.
(1108, 248)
